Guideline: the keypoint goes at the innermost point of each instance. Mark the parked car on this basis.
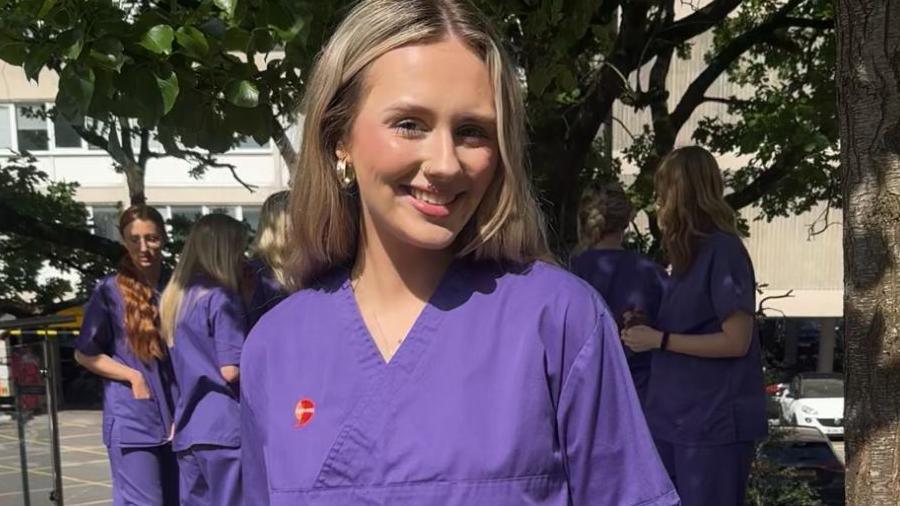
(815, 400)
(811, 457)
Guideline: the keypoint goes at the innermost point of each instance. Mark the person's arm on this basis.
(608, 453)
(229, 332)
(107, 367)
(731, 288)
(254, 472)
(733, 341)
(96, 338)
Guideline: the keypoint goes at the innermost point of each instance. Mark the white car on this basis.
(815, 400)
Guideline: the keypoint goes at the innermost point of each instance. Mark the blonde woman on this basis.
(204, 323)
(267, 265)
(431, 357)
(705, 402)
(631, 284)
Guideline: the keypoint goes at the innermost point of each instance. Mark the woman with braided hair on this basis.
(630, 283)
(120, 341)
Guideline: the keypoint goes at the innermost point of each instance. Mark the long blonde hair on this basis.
(602, 210)
(271, 242)
(690, 194)
(214, 248)
(507, 226)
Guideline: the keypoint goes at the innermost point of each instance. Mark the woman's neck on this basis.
(610, 241)
(397, 268)
(151, 274)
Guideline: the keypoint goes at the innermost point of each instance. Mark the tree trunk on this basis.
(134, 176)
(869, 108)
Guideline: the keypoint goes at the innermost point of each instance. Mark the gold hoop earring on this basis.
(345, 173)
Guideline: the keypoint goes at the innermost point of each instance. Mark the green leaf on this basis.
(12, 51)
(168, 88)
(262, 40)
(242, 93)
(77, 84)
(538, 80)
(237, 39)
(36, 60)
(108, 53)
(227, 5)
(158, 39)
(193, 41)
(70, 43)
(45, 8)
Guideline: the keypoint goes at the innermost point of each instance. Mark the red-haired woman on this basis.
(120, 341)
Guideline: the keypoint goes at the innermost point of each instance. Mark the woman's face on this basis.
(423, 144)
(144, 242)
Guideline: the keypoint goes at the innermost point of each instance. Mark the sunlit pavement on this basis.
(85, 467)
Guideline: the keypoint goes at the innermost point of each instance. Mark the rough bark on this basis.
(869, 108)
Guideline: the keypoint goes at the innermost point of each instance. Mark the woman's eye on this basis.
(408, 128)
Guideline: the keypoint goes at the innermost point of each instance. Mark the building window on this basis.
(251, 217)
(31, 127)
(229, 210)
(250, 143)
(5, 127)
(105, 221)
(64, 135)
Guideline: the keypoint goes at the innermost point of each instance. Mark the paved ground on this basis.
(85, 467)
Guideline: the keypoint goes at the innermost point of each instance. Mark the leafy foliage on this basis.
(32, 271)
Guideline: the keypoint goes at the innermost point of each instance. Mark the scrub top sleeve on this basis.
(731, 285)
(254, 475)
(229, 327)
(96, 336)
(609, 455)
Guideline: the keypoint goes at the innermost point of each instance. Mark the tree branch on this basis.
(818, 24)
(13, 222)
(767, 179)
(695, 93)
(696, 23)
(279, 136)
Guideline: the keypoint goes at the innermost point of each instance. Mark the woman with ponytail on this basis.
(631, 284)
(204, 323)
(120, 341)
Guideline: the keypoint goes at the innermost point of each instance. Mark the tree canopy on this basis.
(191, 78)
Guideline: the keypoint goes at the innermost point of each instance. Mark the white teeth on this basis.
(431, 198)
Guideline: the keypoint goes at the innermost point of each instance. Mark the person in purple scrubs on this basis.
(705, 403)
(266, 273)
(120, 341)
(432, 356)
(204, 322)
(631, 284)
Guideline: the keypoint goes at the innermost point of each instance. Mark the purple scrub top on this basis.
(267, 292)
(127, 422)
(627, 281)
(696, 400)
(209, 335)
(511, 388)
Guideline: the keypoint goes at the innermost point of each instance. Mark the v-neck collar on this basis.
(427, 320)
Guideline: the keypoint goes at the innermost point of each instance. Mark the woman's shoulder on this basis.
(550, 286)
(106, 286)
(720, 242)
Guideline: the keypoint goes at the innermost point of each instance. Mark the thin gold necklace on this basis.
(381, 337)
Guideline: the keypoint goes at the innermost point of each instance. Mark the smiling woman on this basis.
(422, 361)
